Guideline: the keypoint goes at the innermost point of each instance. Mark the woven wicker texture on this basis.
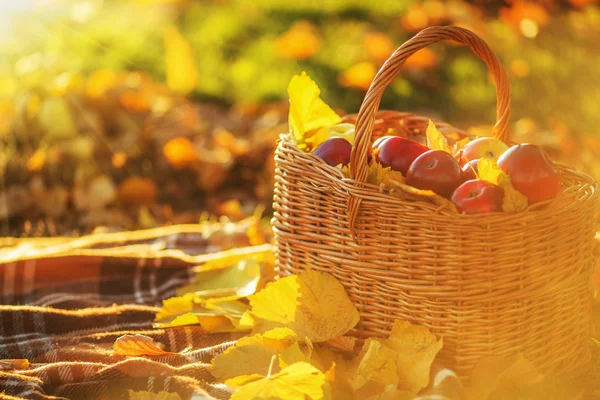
(490, 283)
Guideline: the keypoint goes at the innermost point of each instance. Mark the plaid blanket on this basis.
(65, 301)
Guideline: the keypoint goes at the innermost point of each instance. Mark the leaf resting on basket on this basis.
(16, 363)
(307, 111)
(513, 201)
(404, 191)
(137, 345)
(313, 304)
(435, 139)
(379, 175)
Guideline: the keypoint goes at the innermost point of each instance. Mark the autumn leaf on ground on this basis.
(307, 111)
(376, 370)
(253, 355)
(342, 343)
(234, 274)
(313, 304)
(137, 345)
(435, 139)
(182, 73)
(293, 354)
(226, 314)
(143, 395)
(299, 381)
(416, 348)
(17, 363)
(498, 373)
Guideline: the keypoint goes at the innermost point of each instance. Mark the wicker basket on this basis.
(494, 283)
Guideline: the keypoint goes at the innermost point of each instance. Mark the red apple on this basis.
(377, 144)
(532, 172)
(334, 151)
(398, 153)
(483, 147)
(435, 170)
(477, 196)
(469, 170)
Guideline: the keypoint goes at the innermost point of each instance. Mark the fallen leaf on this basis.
(137, 345)
(182, 73)
(313, 304)
(293, 354)
(376, 370)
(17, 363)
(307, 111)
(252, 355)
(495, 372)
(342, 343)
(299, 381)
(416, 348)
(435, 139)
(143, 395)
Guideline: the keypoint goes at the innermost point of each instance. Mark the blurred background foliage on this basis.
(143, 112)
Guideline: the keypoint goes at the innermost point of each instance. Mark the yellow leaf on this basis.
(404, 191)
(143, 395)
(239, 381)
(344, 131)
(494, 373)
(137, 345)
(488, 170)
(182, 74)
(416, 348)
(307, 111)
(291, 355)
(313, 304)
(299, 381)
(252, 355)
(17, 363)
(231, 276)
(376, 370)
(378, 175)
(513, 201)
(342, 343)
(435, 139)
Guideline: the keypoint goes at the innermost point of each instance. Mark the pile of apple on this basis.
(531, 170)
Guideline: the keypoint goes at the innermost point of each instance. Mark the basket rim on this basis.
(549, 207)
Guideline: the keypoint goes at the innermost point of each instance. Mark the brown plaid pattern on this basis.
(64, 302)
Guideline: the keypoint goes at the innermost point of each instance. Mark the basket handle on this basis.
(368, 110)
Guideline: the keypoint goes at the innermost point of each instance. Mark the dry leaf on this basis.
(378, 175)
(307, 111)
(435, 139)
(294, 354)
(514, 201)
(17, 363)
(342, 343)
(488, 170)
(494, 373)
(343, 130)
(313, 304)
(182, 73)
(299, 381)
(137, 345)
(143, 395)
(252, 355)
(405, 191)
(416, 348)
(376, 370)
